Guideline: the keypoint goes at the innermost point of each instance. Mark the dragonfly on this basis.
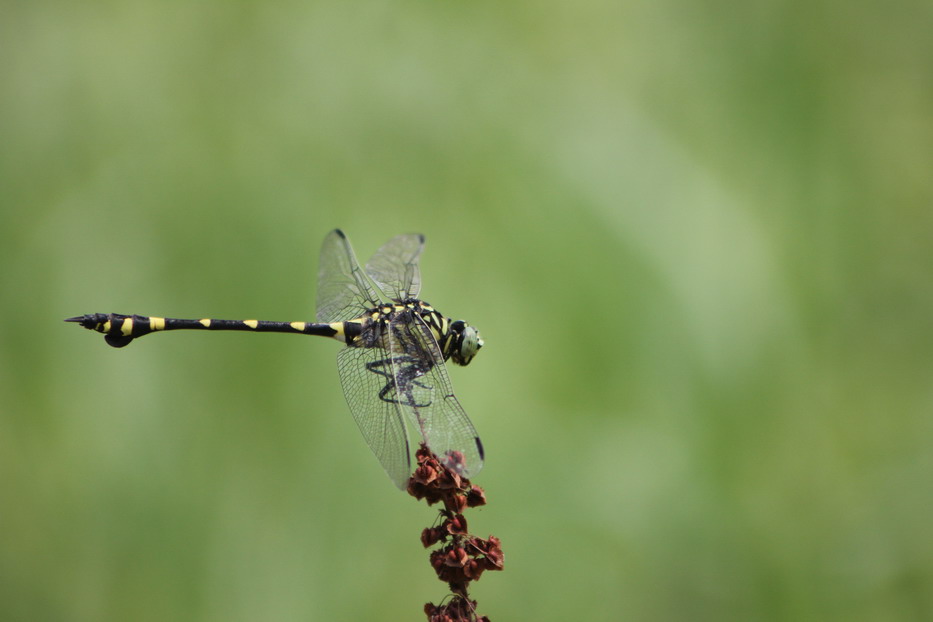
(392, 368)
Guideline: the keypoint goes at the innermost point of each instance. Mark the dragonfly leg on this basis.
(400, 383)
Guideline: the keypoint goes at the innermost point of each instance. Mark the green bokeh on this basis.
(696, 238)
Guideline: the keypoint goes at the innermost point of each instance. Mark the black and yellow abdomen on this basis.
(119, 330)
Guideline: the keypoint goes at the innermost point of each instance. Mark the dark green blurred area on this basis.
(696, 238)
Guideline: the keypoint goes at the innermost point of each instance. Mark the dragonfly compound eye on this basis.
(468, 342)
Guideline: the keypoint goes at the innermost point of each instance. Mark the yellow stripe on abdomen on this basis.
(338, 329)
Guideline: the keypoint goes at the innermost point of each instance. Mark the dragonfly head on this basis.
(465, 342)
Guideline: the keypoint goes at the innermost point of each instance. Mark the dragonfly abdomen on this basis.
(119, 329)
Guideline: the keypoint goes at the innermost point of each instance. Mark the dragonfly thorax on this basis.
(457, 340)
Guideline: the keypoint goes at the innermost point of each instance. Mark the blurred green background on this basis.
(696, 238)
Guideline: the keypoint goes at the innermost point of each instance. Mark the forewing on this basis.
(344, 291)
(380, 421)
(394, 267)
(436, 413)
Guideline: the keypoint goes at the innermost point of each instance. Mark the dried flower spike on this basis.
(464, 557)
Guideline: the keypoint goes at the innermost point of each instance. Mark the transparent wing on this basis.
(344, 291)
(428, 399)
(394, 267)
(364, 373)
